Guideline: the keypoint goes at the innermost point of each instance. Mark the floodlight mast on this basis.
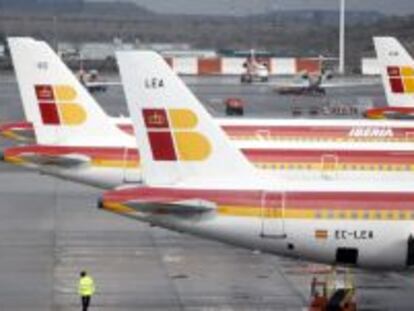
(342, 37)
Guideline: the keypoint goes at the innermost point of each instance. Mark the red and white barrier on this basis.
(234, 66)
(185, 65)
(283, 66)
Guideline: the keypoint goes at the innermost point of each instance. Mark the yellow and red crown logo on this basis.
(57, 104)
(401, 79)
(172, 136)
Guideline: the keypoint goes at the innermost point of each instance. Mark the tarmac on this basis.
(50, 230)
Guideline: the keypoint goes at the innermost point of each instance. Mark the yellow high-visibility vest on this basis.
(86, 286)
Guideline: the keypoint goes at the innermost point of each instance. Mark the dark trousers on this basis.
(86, 300)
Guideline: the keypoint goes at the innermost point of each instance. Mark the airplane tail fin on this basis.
(60, 108)
(177, 137)
(397, 71)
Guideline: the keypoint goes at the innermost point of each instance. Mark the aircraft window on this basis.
(342, 215)
(290, 246)
(366, 215)
(390, 215)
(378, 215)
(402, 215)
(354, 215)
(319, 215)
(330, 214)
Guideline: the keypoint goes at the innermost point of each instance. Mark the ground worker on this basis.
(86, 289)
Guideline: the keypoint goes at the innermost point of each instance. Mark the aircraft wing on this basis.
(350, 83)
(290, 84)
(21, 131)
(102, 83)
(63, 161)
(337, 83)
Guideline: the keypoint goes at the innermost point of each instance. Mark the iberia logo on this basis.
(172, 136)
(57, 104)
(401, 79)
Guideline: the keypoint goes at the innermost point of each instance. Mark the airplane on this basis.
(328, 150)
(255, 70)
(315, 83)
(75, 139)
(92, 81)
(397, 72)
(311, 84)
(196, 181)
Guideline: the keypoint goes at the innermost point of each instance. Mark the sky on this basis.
(245, 7)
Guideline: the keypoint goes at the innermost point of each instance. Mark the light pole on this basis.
(342, 37)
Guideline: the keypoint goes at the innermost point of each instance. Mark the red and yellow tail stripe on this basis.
(401, 79)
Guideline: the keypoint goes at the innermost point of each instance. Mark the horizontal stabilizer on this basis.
(187, 208)
(63, 161)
